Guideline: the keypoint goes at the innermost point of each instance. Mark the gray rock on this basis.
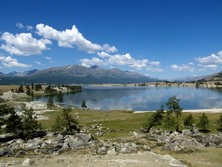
(162, 139)
(74, 142)
(173, 161)
(112, 151)
(84, 137)
(28, 162)
(195, 131)
(65, 147)
(50, 134)
(6, 151)
(186, 132)
(212, 140)
(102, 150)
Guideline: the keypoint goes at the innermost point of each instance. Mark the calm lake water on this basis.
(143, 98)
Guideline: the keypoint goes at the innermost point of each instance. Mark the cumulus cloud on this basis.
(182, 67)
(8, 61)
(23, 44)
(103, 54)
(212, 59)
(93, 61)
(72, 38)
(122, 60)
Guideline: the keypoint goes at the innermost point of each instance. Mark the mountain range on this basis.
(77, 74)
(74, 74)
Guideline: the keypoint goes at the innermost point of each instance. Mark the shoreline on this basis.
(212, 110)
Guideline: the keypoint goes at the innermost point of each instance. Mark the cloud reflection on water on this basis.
(144, 98)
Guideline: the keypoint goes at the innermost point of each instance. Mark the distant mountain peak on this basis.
(94, 67)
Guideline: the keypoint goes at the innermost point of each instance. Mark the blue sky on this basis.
(159, 38)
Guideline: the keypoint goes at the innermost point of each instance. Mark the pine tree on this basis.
(20, 89)
(50, 102)
(219, 123)
(58, 125)
(169, 121)
(189, 121)
(30, 125)
(155, 119)
(4, 111)
(174, 107)
(83, 105)
(32, 86)
(14, 123)
(204, 122)
(59, 97)
(68, 122)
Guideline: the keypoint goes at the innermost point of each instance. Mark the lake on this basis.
(143, 98)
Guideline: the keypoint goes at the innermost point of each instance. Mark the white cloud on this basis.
(48, 58)
(29, 27)
(93, 61)
(19, 25)
(209, 66)
(23, 44)
(212, 59)
(72, 38)
(122, 60)
(11, 62)
(154, 63)
(182, 67)
(37, 62)
(103, 54)
(153, 69)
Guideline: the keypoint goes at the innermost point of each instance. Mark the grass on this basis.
(117, 123)
(5, 88)
(121, 123)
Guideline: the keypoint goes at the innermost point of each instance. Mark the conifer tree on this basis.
(174, 107)
(30, 125)
(50, 102)
(14, 123)
(65, 123)
(219, 123)
(203, 122)
(59, 97)
(155, 119)
(189, 121)
(83, 105)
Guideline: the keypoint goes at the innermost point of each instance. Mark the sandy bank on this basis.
(213, 110)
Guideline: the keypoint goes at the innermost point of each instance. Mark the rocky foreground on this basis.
(81, 149)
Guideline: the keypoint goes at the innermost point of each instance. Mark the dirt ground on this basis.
(85, 160)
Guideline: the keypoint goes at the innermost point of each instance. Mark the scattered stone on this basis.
(28, 162)
(112, 151)
(186, 132)
(6, 151)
